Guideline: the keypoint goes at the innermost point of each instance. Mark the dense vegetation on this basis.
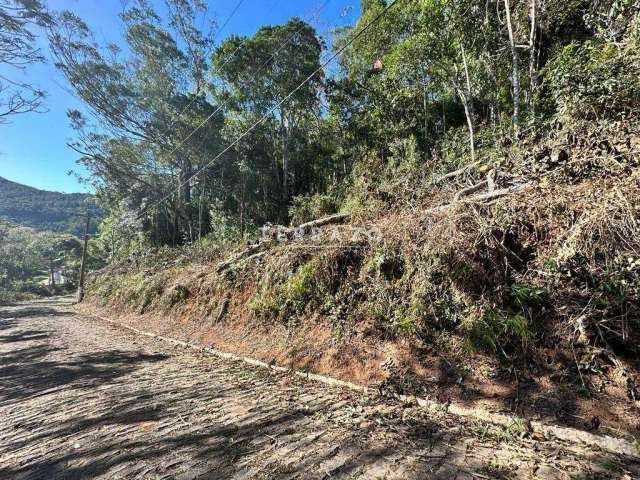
(205, 142)
(43, 210)
(186, 137)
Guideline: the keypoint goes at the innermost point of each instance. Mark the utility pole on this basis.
(52, 281)
(84, 259)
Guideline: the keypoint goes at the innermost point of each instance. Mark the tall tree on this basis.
(18, 49)
(268, 69)
(149, 107)
(429, 54)
(515, 73)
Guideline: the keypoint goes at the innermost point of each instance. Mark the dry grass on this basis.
(542, 282)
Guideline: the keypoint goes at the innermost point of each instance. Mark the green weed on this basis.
(300, 291)
(493, 328)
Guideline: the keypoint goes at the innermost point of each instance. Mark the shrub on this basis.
(224, 228)
(492, 328)
(594, 79)
(287, 300)
(29, 286)
(379, 182)
(310, 207)
(8, 297)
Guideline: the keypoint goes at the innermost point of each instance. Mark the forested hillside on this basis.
(203, 136)
(43, 210)
(464, 176)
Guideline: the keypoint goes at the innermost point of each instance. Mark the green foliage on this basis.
(288, 300)
(528, 296)
(42, 210)
(612, 466)
(492, 328)
(29, 286)
(26, 256)
(427, 88)
(595, 79)
(256, 73)
(306, 208)
(379, 183)
(116, 237)
(298, 291)
(138, 289)
(225, 228)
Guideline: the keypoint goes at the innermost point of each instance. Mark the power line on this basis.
(314, 13)
(271, 110)
(266, 62)
(229, 58)
(195, 97)
(310, 17)
(226, 22)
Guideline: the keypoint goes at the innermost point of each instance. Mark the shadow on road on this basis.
(29, 368)
(119, 412)
(9, 313)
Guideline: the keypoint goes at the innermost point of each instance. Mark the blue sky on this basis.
(33, 147)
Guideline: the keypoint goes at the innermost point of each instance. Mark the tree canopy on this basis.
(187, 137)
(19, 20)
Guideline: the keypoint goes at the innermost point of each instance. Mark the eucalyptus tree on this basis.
(265, 73)
(19, 20)
(150, 122)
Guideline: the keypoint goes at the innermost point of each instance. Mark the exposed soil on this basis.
(553, 395)
(83, 399)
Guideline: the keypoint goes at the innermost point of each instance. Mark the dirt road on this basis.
(82, 399)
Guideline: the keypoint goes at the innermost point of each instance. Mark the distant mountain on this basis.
(44, 210)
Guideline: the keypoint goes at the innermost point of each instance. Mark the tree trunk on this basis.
(467, 103)
(176, 222)
(200, 211)
(285, 175)
(185, 175)
(533, 71)
(444, 120)
(424, 108)
(243, 186)
(516, 77)
(274, 164)
(242, 198)
(467, 112)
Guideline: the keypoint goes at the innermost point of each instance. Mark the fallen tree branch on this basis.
(321, 222)
(275, 232)
(480, 198)
(456, 173)
(496, 193)
(243, 254)
(305, 228)
(469, 190)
